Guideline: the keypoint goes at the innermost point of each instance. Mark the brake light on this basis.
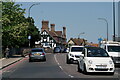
(43, 53)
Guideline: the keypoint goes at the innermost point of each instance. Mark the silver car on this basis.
(37, 54)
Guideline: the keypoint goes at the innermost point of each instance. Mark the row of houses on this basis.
(51, 38)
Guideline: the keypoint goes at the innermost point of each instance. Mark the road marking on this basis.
(71, 76)
(61, 67)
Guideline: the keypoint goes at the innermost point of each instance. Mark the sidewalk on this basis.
(6, 62)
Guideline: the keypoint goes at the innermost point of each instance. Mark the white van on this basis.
(113, 49)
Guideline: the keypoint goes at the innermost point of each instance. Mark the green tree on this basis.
(15, 27)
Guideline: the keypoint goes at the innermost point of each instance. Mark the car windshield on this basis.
(76, 49)
(37, 50)
(97, 52)
(113, 48)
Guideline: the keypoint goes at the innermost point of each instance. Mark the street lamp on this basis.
(29, 37)
(113, 20)
(106, 23)
(80, 34)
(31, 7)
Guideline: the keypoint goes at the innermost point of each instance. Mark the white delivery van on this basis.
(113, 49)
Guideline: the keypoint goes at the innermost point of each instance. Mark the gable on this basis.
(44, 33)
(46, 37)
(70, 42)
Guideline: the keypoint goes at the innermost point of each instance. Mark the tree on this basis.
(15, 27)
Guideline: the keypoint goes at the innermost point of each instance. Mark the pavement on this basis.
(6, 62)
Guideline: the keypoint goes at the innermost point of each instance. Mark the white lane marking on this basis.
(71, 76)
(56, 60)
(61, 67)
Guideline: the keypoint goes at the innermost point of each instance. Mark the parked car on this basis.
(37, 54)
(65, 50)
(74, 54)
(57, 50)
(95, 59)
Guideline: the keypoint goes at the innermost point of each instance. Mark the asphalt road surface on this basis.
(54, 67)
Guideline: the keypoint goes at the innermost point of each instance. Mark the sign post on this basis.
(29, 37)
(100, 39)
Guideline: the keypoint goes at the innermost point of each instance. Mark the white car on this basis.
(74, 54)
(95, 59)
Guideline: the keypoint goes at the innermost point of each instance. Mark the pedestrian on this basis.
(7, 51)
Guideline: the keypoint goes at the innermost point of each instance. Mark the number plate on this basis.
(37, 54)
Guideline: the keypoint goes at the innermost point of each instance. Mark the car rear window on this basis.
(37, 50)
(76, 49)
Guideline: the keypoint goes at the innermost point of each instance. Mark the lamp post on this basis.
(106, 23)
(80, 34)
(31, 7)
(29, 37)
(113, 20)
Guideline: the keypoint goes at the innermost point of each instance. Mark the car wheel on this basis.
(67, 60)
(111, 73)
(84, 69)
(79, 70)
(30, 60)
(45, 59)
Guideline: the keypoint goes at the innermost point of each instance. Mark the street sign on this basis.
(100, 39)
(29, 37)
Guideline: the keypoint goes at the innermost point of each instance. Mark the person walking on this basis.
(7, 51)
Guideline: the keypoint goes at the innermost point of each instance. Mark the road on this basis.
(54, 67)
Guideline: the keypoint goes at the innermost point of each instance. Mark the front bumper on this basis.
(99, 69)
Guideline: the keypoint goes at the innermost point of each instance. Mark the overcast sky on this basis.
(77, 17)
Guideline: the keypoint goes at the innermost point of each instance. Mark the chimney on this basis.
(64, 32)
(53, 27)
(45, 25)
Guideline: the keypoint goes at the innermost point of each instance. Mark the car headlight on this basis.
(71, 55)
(90, 61)
(110, 62)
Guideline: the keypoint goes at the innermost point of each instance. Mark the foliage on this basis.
(15, 27)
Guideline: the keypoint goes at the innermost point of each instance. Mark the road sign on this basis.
(100, 39)
(29, 37)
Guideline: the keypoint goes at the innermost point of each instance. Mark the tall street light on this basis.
(29, 37)
(31, 7)
(106, 23)
(113, 20)
(80, 34)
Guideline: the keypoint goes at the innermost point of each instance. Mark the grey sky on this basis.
(76, 16)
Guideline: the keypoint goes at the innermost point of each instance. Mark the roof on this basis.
(93, 44)
(77, 41)
(76, 46)
(52, 33)
(59, 33)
